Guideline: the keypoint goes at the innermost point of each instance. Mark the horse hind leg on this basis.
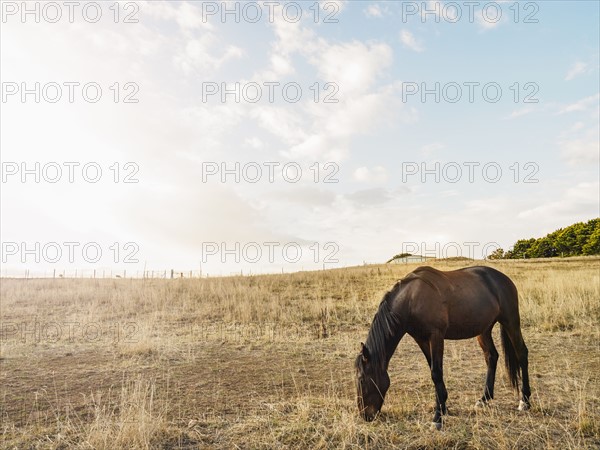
(523, 355)
(515, 347)
(486, 342)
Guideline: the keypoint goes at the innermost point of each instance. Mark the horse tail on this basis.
(511, 362)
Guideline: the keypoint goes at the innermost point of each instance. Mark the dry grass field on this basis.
(266, 362)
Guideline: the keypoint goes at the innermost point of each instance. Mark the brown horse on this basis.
(432, 305)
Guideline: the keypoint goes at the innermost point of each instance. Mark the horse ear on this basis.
(364, 351)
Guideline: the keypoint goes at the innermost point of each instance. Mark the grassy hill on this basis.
(266, 362)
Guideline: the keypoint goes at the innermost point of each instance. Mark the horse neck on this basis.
(391, 346)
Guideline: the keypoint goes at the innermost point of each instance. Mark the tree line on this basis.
(581, 238)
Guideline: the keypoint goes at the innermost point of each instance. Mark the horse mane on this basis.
(383, 328)
(386, 322)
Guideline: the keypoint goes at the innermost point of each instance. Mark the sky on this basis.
(257, 137)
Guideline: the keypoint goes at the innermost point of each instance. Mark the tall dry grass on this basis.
(307, 326)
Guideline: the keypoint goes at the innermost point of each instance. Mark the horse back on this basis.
(459, 303)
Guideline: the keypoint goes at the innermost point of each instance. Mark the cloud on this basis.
(353, 66)
(581, 105)
(375, 10)
(369, 197)
(577, 126)
(577, 69)
(284, 123)
(281, 65)
(430, 149)
(520, 112)
(320, 130)
(323, 130)
(334, 126)
(583, 149)
(339, 4)
(196, 55)
(187, 15)
(489, 18)
(305, 196)
(194, 213)
(316, 147)
(254, 143)
(362, 114)
(292, 37)
(409, 41)
(579, 202)
(377, 174)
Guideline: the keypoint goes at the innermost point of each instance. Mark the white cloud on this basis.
(520, 112)
(490, 17)
(581, 105)
(319, 129)
(317, 147)
(353, 66)
(579, 202)
(324, 130)
(204, 127)
(409, 41)
(431, 149)
(281, 122)
(577, 126)
(486, 24)
(375, 10)
(305, 196)
(339, 4)
(254, 143)
(292, 37)
(369, 197)
(361, 114)
(281, 65)
(188, 15)
(582, 149)
(377, 174)
(577, 69)
(198, 55)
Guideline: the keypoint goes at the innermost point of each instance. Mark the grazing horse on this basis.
(432, 305)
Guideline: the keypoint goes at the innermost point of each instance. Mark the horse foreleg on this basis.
(426, 349)
(436, 344)
(491, 359)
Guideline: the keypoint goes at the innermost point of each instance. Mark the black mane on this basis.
(383, 329)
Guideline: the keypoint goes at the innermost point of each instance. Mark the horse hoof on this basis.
(480, 404)
(523, 406)
(436, 426)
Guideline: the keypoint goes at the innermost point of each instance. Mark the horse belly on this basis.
(467, 319)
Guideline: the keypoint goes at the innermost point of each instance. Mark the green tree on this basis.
(592, 247)
(581, 238)
(586, 234)
(521, 249)
(543, 248)
(566, 241)
(496, 254)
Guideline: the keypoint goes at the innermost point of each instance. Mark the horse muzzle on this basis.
(369, 414)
